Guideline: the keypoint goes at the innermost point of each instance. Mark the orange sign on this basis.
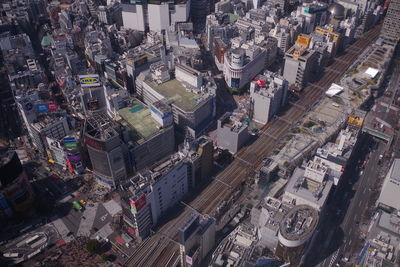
(303, 41)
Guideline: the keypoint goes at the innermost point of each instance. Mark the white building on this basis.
(51, 125)
(241, 65)
(133, 17)
(390, 193)
(245, 60)
(150, 194)
(154, 17)
(309, 185)
(158, 17)
(268, 94)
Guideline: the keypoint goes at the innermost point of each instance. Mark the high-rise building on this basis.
(106, 152)
(391, 25)
(231, 135)
(135, 139)
(150, 194)
(191, 95)
(155, 16)
(268, 94)
(16, 193)
(299, 62)
(296, 231)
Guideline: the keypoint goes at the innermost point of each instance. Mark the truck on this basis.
(77, 206)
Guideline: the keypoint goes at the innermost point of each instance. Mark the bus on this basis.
(11, 255)
(77, 206)
(31, 240)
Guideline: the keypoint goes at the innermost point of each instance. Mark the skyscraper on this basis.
(391, 25)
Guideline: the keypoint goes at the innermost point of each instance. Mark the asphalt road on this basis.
(340, 236)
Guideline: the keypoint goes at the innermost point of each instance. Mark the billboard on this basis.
(137, 205)
(92, 142)
(52, 106)
(303, 41)
(259, 82)
(90, 80)
(69, 165)
(42, 108)
(75, 157)
(189, 260)
(70, 143)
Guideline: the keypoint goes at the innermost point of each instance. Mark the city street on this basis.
(340, 236)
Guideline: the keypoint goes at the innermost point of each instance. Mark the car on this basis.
(83, 202)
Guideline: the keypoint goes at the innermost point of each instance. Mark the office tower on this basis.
(391, 26)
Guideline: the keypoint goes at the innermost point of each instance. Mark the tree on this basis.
(93, 246)
(108, 257)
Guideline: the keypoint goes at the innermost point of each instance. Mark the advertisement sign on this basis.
(69, 165)
(52, 106)
(189, 260)
(41, 108)
(70, 143)
(90, 80)
(259, 82)
(136, 206)
(94, 143)
(75, 157)
(303, 41)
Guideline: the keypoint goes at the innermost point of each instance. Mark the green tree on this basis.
(93, 246)
(108, 257)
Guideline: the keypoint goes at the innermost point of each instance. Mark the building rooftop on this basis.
(299, 222)
(174, 91)
(138, 117)
(228, 120)
(308, 189)
(382, 120)
(236, 248)
(101, 127)
(390, 189)
(276, 212)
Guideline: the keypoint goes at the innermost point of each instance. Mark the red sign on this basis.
(137, 205)
(69, 165)
(94, 143)
(52, 106)
(259, 82)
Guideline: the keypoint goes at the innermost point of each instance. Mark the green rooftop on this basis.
(233, 18)
(173, 90)
(138, 118)
(46, 41)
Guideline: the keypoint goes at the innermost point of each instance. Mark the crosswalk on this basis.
(333, 259)
(89, 214)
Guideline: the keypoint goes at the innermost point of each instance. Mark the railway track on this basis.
(161, 248)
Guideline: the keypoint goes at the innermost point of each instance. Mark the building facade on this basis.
(268, 95)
